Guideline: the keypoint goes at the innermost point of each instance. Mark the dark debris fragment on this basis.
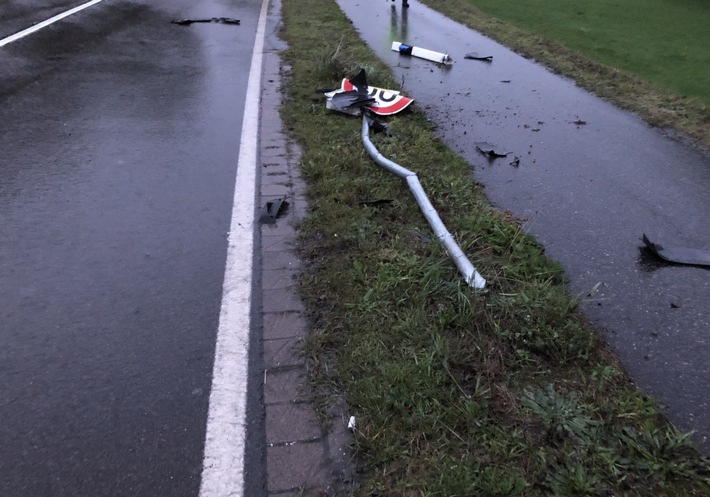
(272, 210)
(222, 20)
(378, 126)
(376, 202)
(490, 151)
(476, 56)
(679, 255)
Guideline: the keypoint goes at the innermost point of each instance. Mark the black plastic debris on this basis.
(376, 202)
(377, 126)
(679, 255)
(490, 151)
(349, 102)
(222, 20)
(515, 162)
(360, 80)
(579, 122)
(271, 210)
(475, 56)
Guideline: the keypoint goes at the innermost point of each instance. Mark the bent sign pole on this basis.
(464, 266)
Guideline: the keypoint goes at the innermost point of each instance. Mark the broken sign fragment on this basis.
(271, 210)
(378, 126)
(680, 255)
(349, 102)
(490, 151)
(422, 53)
(222, 20)
(475, 56)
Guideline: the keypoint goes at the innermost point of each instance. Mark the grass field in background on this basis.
(663, 41)
(647, 56)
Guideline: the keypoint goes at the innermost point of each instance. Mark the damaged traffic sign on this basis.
(355, 93)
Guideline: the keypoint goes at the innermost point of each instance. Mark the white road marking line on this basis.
(223, 467)
(46, 23)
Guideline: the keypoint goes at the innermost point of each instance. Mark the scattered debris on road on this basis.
(272, 210)
(679, 255)
(422, 53)
(475, 56)
(579, 122)
(222, 20)
(515, 162)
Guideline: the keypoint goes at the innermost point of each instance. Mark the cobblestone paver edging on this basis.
(302, 459)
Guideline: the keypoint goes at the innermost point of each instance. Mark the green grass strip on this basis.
(455, 393)
(648, 56)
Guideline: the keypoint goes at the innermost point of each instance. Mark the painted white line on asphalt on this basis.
(46, 23)
(223, 467)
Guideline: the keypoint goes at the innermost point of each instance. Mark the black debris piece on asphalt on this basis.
(579, 122)
(222, 20)
(679, 255)
(505, 80)
(515, 162)
(475, 56)
(272, 210)
(490, 151)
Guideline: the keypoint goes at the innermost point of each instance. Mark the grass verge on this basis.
(561, 36)
(455, 393)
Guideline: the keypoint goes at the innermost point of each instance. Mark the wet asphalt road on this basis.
(119, 138)
(591, 180)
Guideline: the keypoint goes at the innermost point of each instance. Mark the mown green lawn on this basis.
(663, 41)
